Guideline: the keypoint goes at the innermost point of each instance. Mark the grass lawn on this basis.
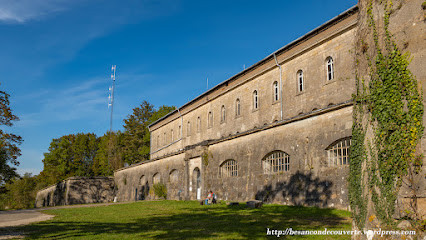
(185, 220)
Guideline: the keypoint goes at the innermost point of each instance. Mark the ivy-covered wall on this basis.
(386, 167)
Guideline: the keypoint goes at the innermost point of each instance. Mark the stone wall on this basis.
(77, 190)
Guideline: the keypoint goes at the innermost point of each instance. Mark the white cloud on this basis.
(24, 10)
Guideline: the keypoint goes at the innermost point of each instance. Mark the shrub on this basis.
(160, 190)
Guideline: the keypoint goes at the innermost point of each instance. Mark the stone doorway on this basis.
(143, 188)
(196, 180)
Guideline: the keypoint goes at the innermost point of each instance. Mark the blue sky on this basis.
(56, 56)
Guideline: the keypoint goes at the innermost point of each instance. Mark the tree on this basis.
(70, 155)
(9, 151)
(136, 135)
(19, 193)
(109, 154)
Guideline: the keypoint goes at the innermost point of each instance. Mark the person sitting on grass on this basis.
(209, 198)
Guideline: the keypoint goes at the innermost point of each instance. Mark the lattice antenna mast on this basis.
(111, 95)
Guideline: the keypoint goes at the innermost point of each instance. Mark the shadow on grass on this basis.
(235, 222)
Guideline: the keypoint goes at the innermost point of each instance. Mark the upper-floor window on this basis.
(172, 137)
(300, 81)
(188, 129)
(330, 68)
(223, 114)
(255, 100)
(228, 168)
(158, 141)
(165, 138)
(198, 124)
(237, 107)
(276, 162)
(276, 91)
(338, 152)
(180, 131)
(210, 120)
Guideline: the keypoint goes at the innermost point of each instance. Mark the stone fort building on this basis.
(278, 131)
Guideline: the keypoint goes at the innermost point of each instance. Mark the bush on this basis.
(160, 190)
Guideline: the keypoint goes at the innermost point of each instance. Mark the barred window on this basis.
(330, 68)
(174, 176)
(276, 162)
(228, 168)
(156, 178)
(338, 152)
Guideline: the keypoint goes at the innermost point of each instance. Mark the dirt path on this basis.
(23, 217)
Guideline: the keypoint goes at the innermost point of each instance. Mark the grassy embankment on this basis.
(185, 220)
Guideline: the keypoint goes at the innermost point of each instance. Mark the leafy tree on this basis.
(19, 193)
(9, 150)
(109, 155)
(70, 155)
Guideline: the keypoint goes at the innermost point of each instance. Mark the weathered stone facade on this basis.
(225, 124)
(77, 190)
(264, 134)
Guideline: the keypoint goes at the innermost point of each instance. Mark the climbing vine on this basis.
(392, 107)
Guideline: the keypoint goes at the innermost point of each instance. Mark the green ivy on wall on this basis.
(392, 106)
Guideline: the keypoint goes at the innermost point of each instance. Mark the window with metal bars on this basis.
(228, 168)
(276, 162)
(338, 152)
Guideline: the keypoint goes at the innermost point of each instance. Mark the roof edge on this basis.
(292, 43)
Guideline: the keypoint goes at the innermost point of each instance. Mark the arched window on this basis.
(300, 81)
(198, 124)
(276, 92)
(188, 129)
(174, 176)
(156, 178)
(255, 100)
(228, 168)
(330, 68)
(210, 120)
(338, 152)
(276, 162)
(237, 107)
(223, 114)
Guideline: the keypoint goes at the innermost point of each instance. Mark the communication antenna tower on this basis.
(111, 95)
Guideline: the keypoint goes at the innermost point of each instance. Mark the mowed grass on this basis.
(185, 220)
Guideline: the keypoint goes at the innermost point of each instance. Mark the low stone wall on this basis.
(77, 190)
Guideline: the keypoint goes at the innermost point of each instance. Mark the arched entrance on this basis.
(196, 182)
(143, 188)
